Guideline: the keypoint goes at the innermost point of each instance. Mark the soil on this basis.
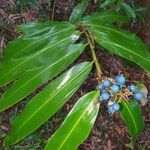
(109, 132)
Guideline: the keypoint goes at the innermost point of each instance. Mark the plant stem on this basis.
(53, 11)
(97, 65)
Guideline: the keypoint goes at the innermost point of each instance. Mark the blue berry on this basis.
(115, 88)
(106, 83)
(110, 109)
(138, 96)
(120, 79)
(116, 107)
(133, 88)
(103, 91)
(100, 87)
(105, 96)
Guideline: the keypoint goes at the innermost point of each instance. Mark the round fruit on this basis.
(133, 88)
(110, 109)
(106, 83)
(120, 79)
(115, 88)
(116, 107)
(138, 96)
(100, 87)
(105, 96)
(104, 91)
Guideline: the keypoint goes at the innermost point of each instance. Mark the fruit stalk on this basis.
(97, 65)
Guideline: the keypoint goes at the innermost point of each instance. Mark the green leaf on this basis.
(47, 103)
(33, 51)
(131, 114)
(36, 35)
(122, 43)
(78, 11)
(101, 18)
(129, 11)
(30, 80)
(78, 124)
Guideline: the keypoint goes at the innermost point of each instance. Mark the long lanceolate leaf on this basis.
(37, 35)
(47, 102)
(32, 52)
(108, 17)
(122, 43)
(131, 114)
(77, 125)
(30, 80)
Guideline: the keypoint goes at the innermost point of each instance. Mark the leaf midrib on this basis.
(108, 28)
(102, 16)
(133, 119)
(128, 50)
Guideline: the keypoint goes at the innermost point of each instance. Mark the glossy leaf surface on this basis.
(47, 103)
(107, 17)
(77, 125)
(30, 80)
(122, 43)
(35, 34)
(35, 50)
(131, 114)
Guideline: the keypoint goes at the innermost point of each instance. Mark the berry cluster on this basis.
(116, 90)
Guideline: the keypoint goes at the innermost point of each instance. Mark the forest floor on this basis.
(109, 132)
